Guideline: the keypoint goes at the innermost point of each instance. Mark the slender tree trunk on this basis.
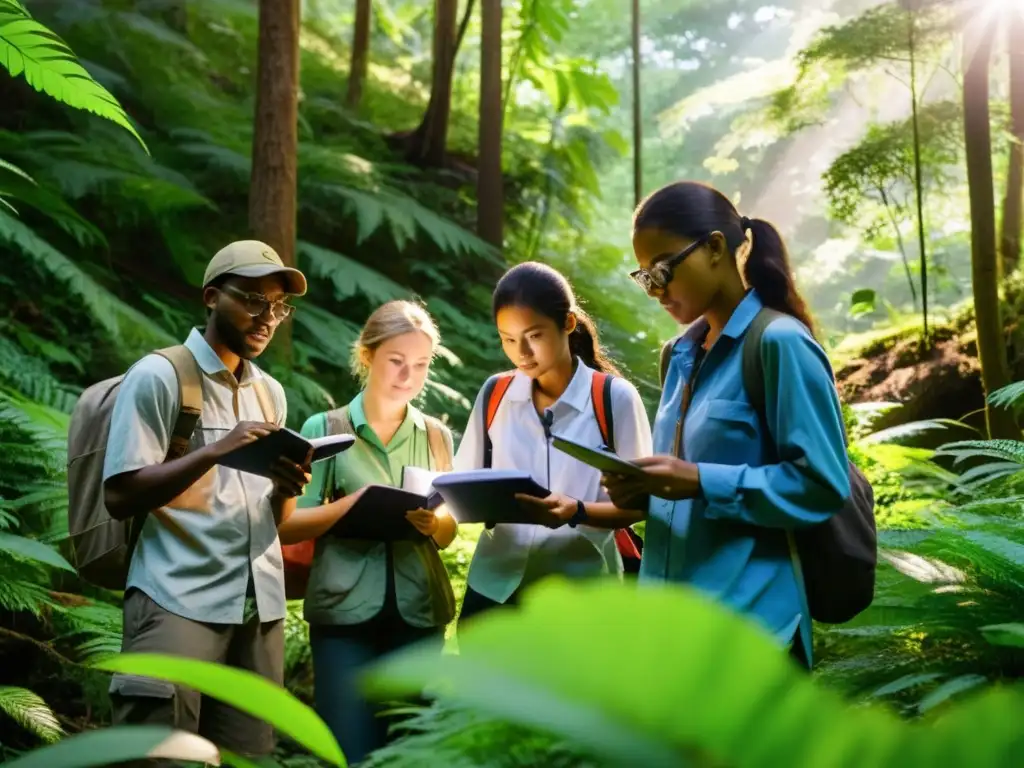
(272, 186)
(429, 141)
(978, 41)
(1013, 201)
(638, 168)
(360, 54)
(490, 190)
(899, 241)
(918, 185)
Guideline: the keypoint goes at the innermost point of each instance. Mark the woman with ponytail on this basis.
(730, 481)
(557, 354)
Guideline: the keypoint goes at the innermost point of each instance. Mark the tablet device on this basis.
(606, 461)
(488, 495)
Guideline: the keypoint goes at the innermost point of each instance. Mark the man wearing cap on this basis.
(206, 578)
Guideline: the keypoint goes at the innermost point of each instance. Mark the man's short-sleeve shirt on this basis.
(203, 553)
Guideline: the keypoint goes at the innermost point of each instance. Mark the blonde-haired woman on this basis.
(366, 598)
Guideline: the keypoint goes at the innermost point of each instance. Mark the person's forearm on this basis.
(446, 529)
(155, 486)
(304, 523)
(604, 514)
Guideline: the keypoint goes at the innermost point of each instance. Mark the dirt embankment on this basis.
(944, 382)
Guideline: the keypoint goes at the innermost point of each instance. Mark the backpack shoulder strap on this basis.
(753, 365)
(494, 390)
(601, 395)
(439, 440)
(666, 358)
(339, 423)
(190, 397)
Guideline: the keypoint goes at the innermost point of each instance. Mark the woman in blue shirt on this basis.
(718, 519)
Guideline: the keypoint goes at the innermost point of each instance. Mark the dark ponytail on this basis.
(691, 209)
(546, 291)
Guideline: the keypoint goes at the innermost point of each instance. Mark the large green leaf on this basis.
(1005, 634)
(244, 690)
(701, 681)
(31, 712)
(30, 549)
(348, 276)
(30, 49)
(115, 745)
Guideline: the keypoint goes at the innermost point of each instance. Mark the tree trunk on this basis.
(272, 186)
(490, 192)
(360, 55)
(638, 185)
(1013, 202)
(429, 141)
(977, 44)
(918, 185)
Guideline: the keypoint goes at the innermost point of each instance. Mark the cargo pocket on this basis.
(138, 700)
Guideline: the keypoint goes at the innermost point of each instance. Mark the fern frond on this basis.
(29, 376)
(1004, 450)
(1010, 397)
(136, 332)
(6, 166)
(55, 208)
(31, 550)
(907, 431)
(406, 219)
(349, 277)
(18, 595)
(31, 713)
(48, 64)
(332, 335)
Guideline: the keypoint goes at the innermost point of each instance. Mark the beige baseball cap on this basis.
(251, 258)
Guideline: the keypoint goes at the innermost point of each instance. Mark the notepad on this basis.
(258, 457)
(488, 495)
(606, 461)
(379, 515)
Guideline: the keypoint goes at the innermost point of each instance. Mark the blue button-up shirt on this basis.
(732, 543)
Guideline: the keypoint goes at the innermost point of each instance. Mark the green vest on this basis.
(348, 578)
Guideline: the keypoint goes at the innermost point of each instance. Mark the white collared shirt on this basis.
(512, 556)
(196, 554)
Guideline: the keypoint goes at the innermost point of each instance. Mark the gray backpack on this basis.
(838, 558)
(102, 546)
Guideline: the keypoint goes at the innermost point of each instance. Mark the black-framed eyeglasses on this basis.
(660, 274)
(255, 304)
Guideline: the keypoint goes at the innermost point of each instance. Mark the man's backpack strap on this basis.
(441, 448)
(494, 390)
(190, 397)
(601, 394)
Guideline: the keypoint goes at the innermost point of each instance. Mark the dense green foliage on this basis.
(106, 225)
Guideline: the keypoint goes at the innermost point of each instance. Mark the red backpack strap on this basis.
(601, 395)
(494, 391)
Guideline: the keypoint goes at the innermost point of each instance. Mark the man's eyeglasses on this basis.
(659, 275)
(256, 304)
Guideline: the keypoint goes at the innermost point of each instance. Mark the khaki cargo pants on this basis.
(254, 646)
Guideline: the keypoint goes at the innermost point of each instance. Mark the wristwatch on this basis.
(580, 516)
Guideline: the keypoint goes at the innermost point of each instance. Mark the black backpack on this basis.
(838, 558)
